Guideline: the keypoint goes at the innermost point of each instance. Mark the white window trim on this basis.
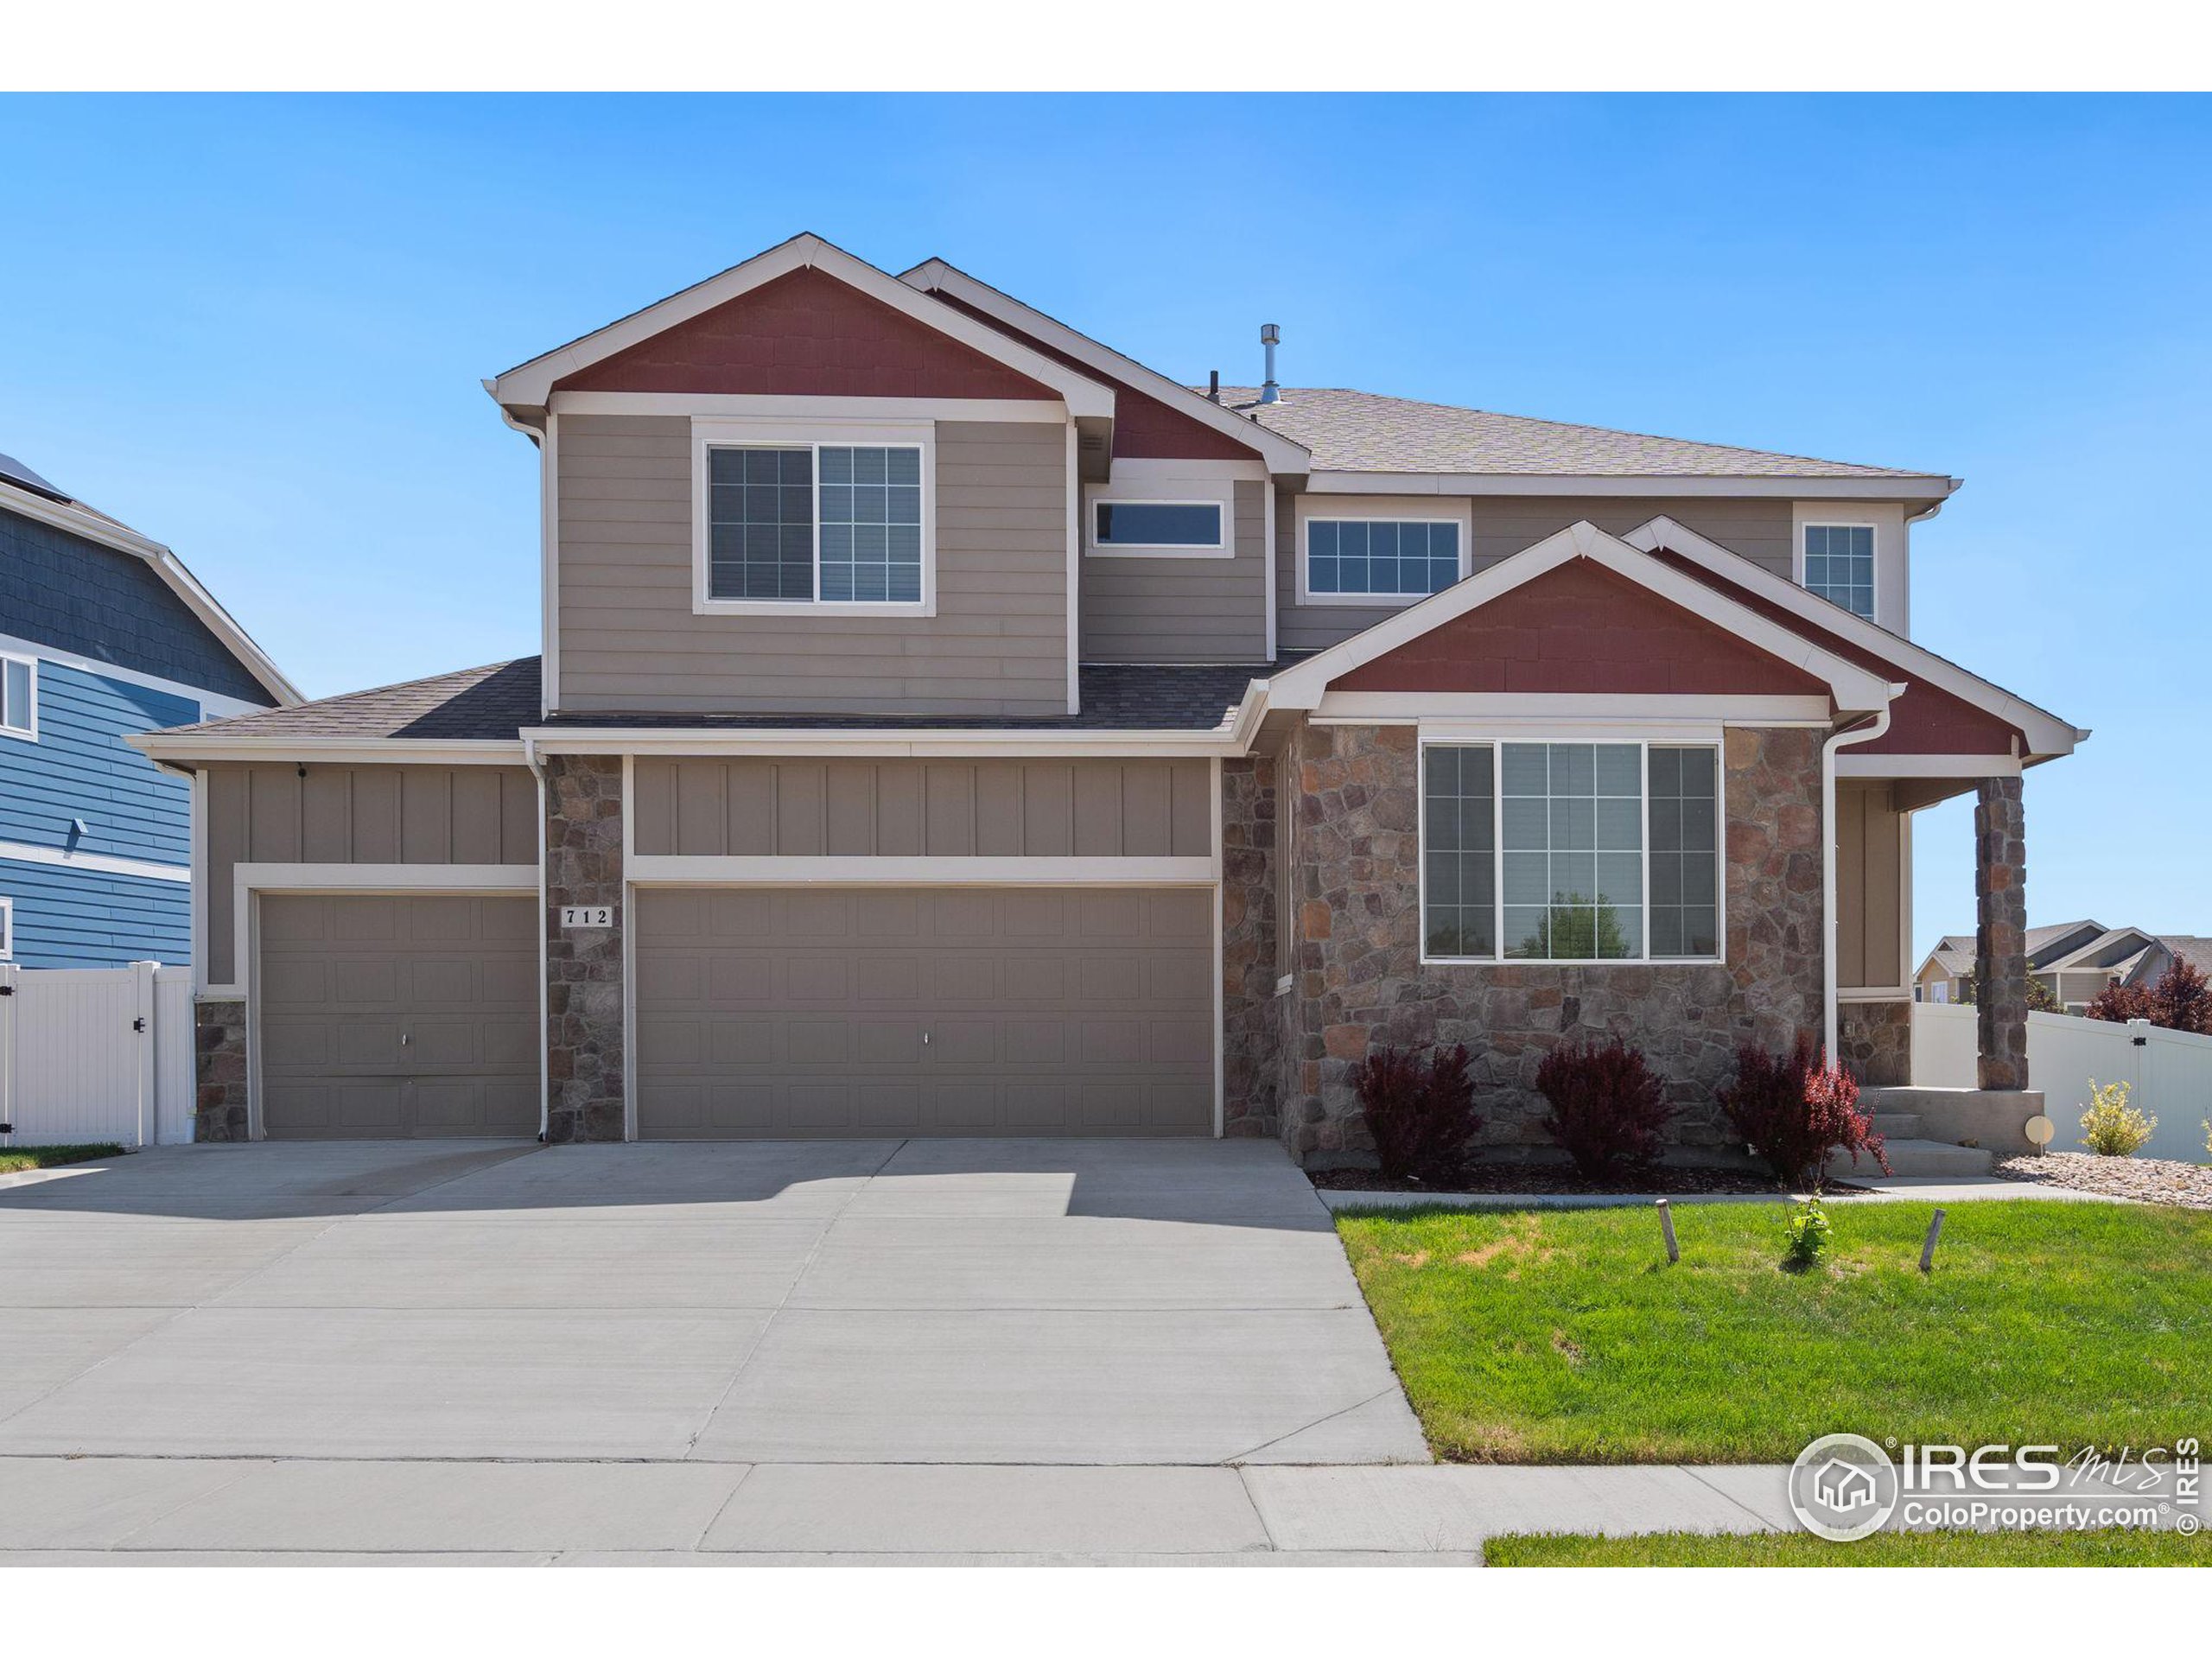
(1307, 596)
(738, 432)
(7, 929)
(25, 733)
(1873, 561)
(1644, 746)
(1223, 547)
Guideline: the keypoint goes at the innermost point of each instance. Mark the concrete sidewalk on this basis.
(264, 1512)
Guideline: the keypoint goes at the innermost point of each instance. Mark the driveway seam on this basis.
(1326, 1417)
(761, 1337)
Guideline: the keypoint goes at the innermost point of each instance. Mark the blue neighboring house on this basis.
(103, 633)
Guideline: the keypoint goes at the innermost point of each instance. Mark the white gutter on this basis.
(544, 996)
(1830, 841)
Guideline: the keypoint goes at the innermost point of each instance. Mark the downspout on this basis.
(544, 1012)
(1829, 841)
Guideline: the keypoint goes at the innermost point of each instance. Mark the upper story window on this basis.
(19, 696)
(1570, 852)
(1158, 526)
(1838, 565)
(791, 525)
(1381, 558)
(7, 928)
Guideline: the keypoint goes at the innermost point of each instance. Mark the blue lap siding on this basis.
(87, 918)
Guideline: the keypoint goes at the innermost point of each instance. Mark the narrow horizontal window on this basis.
(1381, 558)
(1840, 565)
(1155, 523)
(18, 695)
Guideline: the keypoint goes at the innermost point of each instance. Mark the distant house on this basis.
(2074, 960)
(103, 634)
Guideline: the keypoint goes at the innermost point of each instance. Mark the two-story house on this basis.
(103, 634)
(947, 725)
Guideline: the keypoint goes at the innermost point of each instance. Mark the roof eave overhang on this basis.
(1282, 455)
(1232, 738)
(526, 387)
(1643, 485)
(180, 580)
(195, 748)
(2047, 736)
(1853, 689)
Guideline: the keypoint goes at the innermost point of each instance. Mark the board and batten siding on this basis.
(630, 643)
(1504, 525)
(1136, 808)
(1869, 888)
(270, 814)
(1172, 610)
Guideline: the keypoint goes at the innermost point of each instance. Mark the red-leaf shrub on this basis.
(1793, 1111)
(1421, 1111)
(2180, 1000)
(1609, 1111)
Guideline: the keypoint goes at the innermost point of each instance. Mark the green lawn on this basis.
(15, 1158)
(1565, 1337)
(2107, 1547)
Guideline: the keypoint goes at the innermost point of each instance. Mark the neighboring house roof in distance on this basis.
(1366, 432)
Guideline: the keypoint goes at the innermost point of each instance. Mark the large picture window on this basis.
(1570, 852)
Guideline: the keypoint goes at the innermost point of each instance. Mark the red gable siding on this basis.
(1580, 627)
(806, 334)
(1144, 428)
(1926, 720)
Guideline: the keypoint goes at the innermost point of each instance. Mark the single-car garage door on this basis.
(397, 1015)
(819, 1011)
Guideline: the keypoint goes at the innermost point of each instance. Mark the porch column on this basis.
(2001, 892)
(584, 843)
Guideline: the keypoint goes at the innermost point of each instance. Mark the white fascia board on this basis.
(867, 869)
(530, 383)
(1613, 711)
(64, 515)
(99, 863)
(1282, 455)
(2047, 734)
(569, 739)
(1912, 488)
(192, 748)
(1849, 764)
(1854, 690)
(1035, 411)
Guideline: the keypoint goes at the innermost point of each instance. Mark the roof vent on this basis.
(1270, 337)
(1213, 385)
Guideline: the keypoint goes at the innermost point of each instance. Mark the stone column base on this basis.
(219, 1070)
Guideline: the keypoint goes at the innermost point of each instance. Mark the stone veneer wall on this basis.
(2001, 892)
(583, 969)
(1358, 979)
(1251, 1012)
(1874, 1042)
(219, 1070)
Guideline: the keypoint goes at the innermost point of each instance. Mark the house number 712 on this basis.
(586, 915)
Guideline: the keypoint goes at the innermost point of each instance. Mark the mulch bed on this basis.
(2147, 1181)
(1560, 1179)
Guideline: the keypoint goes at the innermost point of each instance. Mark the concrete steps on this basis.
(1911, 1155)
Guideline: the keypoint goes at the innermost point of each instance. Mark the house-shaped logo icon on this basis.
(1843, 1486)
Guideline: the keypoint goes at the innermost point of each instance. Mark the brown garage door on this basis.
(394, 1016)
(822, 1012)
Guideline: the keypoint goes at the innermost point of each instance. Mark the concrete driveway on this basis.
(970, 1302)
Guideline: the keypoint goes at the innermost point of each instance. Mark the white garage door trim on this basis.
(250, 881)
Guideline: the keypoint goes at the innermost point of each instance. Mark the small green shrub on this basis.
(1806, 1238)
(2112, 1127)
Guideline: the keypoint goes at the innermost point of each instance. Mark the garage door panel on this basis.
(803, 1012)
(397, 1015)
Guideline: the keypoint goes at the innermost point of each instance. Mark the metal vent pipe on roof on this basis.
(1270, 337)
(1213, 385)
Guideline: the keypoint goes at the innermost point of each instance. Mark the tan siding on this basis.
(270, 814)
(1759, 530)
(630, 643)
(936, 808)
(1869, 887)
(1140, 610)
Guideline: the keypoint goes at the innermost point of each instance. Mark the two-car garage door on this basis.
(797, 1013)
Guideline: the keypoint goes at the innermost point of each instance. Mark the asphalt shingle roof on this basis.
(1364, 432)
(493, 703)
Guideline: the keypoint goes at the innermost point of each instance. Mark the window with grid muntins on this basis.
(760, 523)
(1382, 556)
(829, 523)
(871, 524)
(1460, 851)
(1685, 854)
(1840, 565)
(1573, 857)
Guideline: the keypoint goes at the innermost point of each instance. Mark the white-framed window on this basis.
(1837, 562)
(7, 928)
(831, 519)
(1571, 852)
(1388, 559)
(19, 696)
(1122, 526)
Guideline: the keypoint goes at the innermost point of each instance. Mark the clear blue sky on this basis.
(254, 328)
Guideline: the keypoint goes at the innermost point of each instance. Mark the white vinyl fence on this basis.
(2168, 1073)
(95, 1054)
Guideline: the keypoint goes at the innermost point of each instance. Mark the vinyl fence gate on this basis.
(96, 1054)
